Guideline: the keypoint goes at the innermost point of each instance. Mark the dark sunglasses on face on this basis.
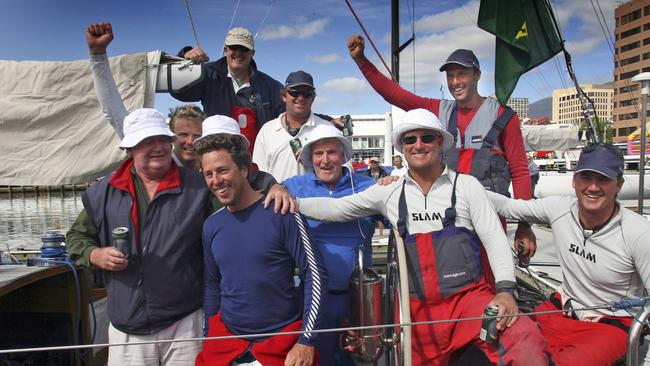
(238, 48)
(426, 139)
(307, 94)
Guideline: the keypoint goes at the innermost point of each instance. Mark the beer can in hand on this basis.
(489, 331)
(120, 240)
(523, 260)
(295, 145)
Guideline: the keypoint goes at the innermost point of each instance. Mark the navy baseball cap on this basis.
(299, 78)
(462, 57)
(601, 158)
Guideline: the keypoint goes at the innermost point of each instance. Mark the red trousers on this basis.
(578, 343)
(521, 344)
(271, 351)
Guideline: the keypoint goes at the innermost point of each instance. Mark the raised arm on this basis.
(98, 37)
(389, 90)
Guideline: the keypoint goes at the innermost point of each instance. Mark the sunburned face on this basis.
(421, 154)
(327, 157)
(152, 156)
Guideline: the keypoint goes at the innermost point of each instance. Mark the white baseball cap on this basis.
(221, 124)
(416, 119)
(324, 132)
(143, 123)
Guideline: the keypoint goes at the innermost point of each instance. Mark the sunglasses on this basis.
(238, 48)
(307, 94)
(426, 139)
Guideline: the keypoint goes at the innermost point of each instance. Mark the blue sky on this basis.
(309, 35)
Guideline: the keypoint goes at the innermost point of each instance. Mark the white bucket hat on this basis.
(221, 124)
(143, 123)
(416, 119)
(324, 132)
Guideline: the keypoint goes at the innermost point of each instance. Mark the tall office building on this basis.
(632, 51)
(568, 109)
(519, 105)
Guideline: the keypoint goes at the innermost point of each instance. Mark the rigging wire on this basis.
(268, 10)
(189, 15)
(372, 43)
(232, 20)
(412, 19)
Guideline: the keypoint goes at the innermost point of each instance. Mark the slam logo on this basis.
(426, 216)
(582, 253)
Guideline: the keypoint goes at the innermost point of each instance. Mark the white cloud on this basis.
(345, 85)
(324, 59)
(300, 29)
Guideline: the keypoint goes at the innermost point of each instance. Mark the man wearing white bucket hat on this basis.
(155, 281)
(444, 218)
(324, 156)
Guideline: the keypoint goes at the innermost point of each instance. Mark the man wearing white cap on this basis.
(487, 136)
(233, 86)
(324, 157)
(155, 281)
(444, 218)
(278, 145)
(603, 251)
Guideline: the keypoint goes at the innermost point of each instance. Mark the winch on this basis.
(53, 251)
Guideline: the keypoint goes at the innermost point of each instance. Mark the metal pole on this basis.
(394, 41)
(644, 117)
(634, 334)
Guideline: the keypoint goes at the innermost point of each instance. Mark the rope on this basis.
(268, 10)
(233, 15)
(623, 304)
(189, 15)
(392, 76)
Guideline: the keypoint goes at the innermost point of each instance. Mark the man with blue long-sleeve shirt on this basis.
(250, 255)
(338, 243)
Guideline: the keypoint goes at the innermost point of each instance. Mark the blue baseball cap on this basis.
(601, 158)
(299, 78)
(465, 58)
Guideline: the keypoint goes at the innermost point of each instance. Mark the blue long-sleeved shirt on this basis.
(338, 242)
(250, 256)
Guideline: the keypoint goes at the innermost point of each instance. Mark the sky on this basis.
(310, 35)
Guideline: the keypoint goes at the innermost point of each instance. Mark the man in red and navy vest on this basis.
(487, 136)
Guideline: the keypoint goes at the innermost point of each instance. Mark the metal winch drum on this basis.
(367, 308)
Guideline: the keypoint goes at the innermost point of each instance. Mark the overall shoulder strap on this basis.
(450, 213)
(499, 124)
(402, 213)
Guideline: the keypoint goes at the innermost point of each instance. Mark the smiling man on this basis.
(250, 256)
(279, 142)
(487, 136)
(233, 86)
(444, 219)
(154, 288)
(604, 255)
(324, 157)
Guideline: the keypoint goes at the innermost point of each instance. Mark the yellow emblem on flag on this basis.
(523, 31)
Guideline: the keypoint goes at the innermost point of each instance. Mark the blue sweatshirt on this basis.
(250, 256)
(338, 242)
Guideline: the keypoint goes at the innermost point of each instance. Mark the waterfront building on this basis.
(567, 108)
(632, 56)
(519, 105)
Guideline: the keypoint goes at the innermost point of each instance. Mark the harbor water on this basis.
(24, 218)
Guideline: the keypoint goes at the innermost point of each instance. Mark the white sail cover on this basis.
(52, 130)
(550, 137)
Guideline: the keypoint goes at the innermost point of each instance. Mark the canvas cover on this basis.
(52, 130)
(550, 137)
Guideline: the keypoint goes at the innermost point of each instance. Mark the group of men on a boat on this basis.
(214, 239)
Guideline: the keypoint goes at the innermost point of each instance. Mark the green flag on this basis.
(526, 37)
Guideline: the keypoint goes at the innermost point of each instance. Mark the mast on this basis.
(394, 38)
